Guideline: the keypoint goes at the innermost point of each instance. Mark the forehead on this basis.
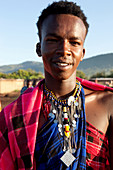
(63, 24)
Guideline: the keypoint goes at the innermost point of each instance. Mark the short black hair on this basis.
(62, 7)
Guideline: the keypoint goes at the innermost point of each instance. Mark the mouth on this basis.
(62, 65)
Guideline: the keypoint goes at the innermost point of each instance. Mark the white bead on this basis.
(70, 100)
(73, 121)
(54, 111)
(59, 125)
(65, 115)
(75, 115)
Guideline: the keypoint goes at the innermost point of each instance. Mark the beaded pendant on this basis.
(65, 113)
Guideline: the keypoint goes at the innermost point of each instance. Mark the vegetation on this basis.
(99, 74)
(22, 74)
(81, 74)
(111, 74)
(32, 74)
(103, 75)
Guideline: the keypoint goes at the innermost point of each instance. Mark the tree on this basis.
(3, 75)
(99, 74)
(111, 74)
(22, 74)
(81, 74)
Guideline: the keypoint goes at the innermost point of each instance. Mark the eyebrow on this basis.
(58, 36)
(53, 35)
(75, 38)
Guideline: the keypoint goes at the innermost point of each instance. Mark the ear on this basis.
(83, 54)
(38, 49)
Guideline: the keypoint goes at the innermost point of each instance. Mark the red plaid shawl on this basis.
(97, 149)
(18, 128)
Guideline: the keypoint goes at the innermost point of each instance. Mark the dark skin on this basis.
(62, 49)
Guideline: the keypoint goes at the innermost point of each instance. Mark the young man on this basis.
(52, 126)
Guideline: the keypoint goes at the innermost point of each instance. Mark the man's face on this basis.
(62, 39)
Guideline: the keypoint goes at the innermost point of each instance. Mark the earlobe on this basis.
(83, 53)
(38, 49)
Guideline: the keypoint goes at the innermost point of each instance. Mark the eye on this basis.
(75, 43)
(51, 40)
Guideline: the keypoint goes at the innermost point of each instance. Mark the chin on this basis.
(62, 77)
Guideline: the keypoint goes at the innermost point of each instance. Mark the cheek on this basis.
(46, 49)
(77, 58)
(46, 53)
(46, 61)
(78, 55)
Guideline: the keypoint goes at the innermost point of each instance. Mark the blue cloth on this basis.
(49, 144)
(23, 89)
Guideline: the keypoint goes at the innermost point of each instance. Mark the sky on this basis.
(18, 31)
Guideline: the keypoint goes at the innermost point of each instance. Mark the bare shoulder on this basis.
(106, 98)
(99, 108)
(102, 97)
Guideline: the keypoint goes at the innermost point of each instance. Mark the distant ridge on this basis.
(37, 66)
(96, 64)
(89, 66)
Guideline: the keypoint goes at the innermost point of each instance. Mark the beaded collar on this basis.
(65, 113)
(51, 96)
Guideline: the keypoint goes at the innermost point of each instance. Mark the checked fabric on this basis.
(18, 128)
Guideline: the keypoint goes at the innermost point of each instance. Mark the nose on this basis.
(64, 48)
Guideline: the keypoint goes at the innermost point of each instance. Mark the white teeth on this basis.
(62, 64)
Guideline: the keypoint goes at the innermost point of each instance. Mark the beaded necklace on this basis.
(65, 113)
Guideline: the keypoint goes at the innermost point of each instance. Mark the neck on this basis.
(61, 88)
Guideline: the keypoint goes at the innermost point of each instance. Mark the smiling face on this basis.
(62, 39)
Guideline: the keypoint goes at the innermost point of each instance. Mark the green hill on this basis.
(96, 64)
(37, 66)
